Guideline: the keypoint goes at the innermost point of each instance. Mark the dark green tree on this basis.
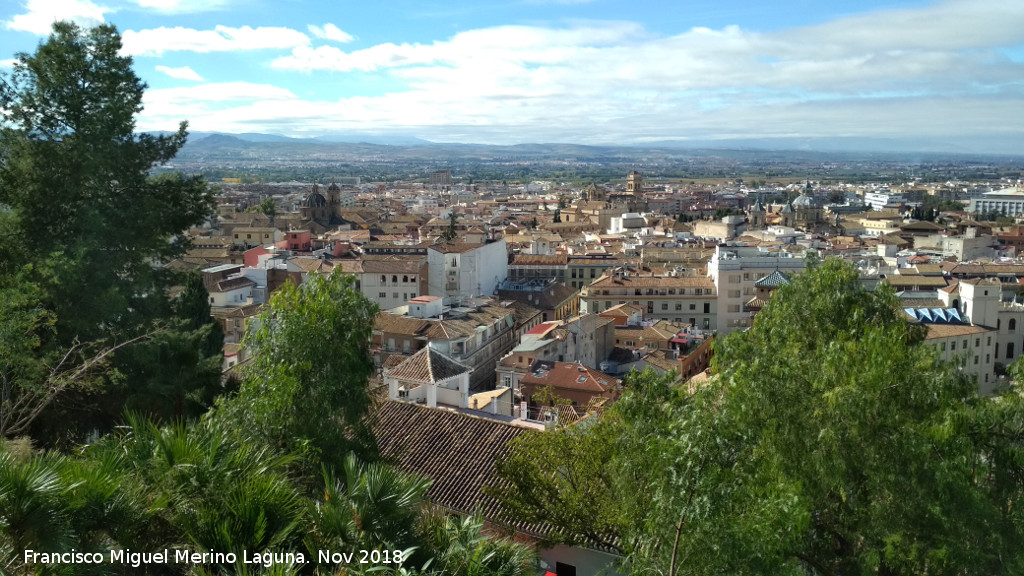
(76, 177)
(450, 233)
(177, 373)
(85, 219)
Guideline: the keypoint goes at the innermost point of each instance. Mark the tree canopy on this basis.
(829, 441)
(85, 228)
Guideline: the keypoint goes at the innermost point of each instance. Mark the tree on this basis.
(75, 175)
(177, 373)
(842, 403)
(306, 388)
(829, 441)
(450, 233)
(266, 207)
(87, 228)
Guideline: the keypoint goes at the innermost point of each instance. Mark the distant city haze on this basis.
(872, 75)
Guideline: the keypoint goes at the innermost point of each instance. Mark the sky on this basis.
(574, 71)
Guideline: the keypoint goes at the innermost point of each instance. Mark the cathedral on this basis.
(319, 212)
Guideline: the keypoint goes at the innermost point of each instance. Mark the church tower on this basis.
(634, 183)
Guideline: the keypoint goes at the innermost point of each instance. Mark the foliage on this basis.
(830, 441)
(177, 373)
(85, 227)
(306, 388)
(450, 233)
(76, 177)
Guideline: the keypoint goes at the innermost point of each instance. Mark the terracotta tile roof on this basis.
(233, 284)
(395, 324)
(570, 376)
(392, 264)
(540, 260)
(307, 264)
(456, 451)
(523, 312)
(635, 281)
(349, 266)
(393, 360)
(427, 365)
(455, 247)
(947, 330)
(898, 281)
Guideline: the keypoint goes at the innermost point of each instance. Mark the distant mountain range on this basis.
(222, 145)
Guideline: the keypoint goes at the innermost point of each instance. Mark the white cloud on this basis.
(156, 41)
(331, 32)
(183, 73)
(931, 71)
(182, 6)
(43, 13)
(8, 63)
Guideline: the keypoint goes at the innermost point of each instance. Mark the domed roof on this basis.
(314, 200)
(804, 201)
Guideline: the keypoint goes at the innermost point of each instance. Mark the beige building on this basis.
(735, 271)
(691, 300)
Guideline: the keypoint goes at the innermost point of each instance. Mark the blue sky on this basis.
(582, 71)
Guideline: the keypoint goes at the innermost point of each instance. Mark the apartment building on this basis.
(691, 300)
(734, 271)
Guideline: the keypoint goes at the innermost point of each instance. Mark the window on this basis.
(664, 305)
(975, 359)
(395, 295)
(987, 358)
(1013, 324)
(965, 344)
(391, 343)
(383, 279)
(678, 306)
(564, 569)
(952, 345)
(1009, 350)
(693, 306)
(943, 346)
(248, 236)
(707, 308)
(382, 295)
(977, 342)
(405, 278)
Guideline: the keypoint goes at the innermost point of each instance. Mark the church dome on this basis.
(804, 201)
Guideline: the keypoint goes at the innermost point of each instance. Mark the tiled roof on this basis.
(307, 264)
(523, 312)
(395, 324)
(655, 281)
(773, 280)
(947, 330)
(427, 365)
(569, 376)
(233, 284)
(392, 264)
(899, 281)
(540, 260)
(455, 247)
(456, 451)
